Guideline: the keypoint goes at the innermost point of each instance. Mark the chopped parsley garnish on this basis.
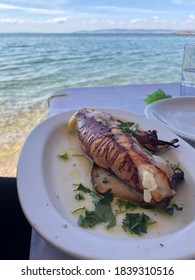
(105, 211)
(64, 156)
(110, 135)
(79, 196)
(127, 127)
(89, 220)
(136, 223)
(78, 155)
(95, 197)
(82, 188)
(172, 209)
(68, 154)
(174, 166)
(101, 214)
(79, 210)
(105, 180)
(125, 205)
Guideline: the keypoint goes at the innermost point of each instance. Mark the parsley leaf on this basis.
(82, 188)
(95, 197)
(89, 220)
(79, 210)
(127, 127)
(174, 166)
(105, 180)
(104, 210)
(155, 96)
(64, 156)
(136, 223)
(174, 207)
(101, 214)
(126, 205)
(79, 196)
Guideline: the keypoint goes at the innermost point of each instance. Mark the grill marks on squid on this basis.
(114, 150)
(98, 141)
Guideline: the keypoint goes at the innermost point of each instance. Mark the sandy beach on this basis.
(14, 138)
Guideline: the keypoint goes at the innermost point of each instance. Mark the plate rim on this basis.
(135, 243)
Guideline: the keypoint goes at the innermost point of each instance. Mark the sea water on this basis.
(34, 66)
(188, 82)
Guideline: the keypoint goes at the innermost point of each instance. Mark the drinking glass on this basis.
(188, 71)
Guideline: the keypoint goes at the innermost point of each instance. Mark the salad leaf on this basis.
(155, 96)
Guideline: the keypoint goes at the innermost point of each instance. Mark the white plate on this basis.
(177, 113)
(47, 197)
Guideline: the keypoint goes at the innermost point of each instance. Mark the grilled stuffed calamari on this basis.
(109, 147)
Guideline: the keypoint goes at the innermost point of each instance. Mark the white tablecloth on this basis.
(128, 97)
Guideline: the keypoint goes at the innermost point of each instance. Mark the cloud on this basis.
(11, 21)
(136, 20)
(180, 2)
(57, 20)
(156, 19)
(190, 19)
(32, 10)
(119, 9)
(176, 1)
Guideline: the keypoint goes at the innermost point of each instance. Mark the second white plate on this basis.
(178, 114)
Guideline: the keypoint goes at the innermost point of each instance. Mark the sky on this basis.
(62, 16)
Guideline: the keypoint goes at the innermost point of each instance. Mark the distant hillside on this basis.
(136, 31)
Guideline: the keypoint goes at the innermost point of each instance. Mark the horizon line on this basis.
(111, 31)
